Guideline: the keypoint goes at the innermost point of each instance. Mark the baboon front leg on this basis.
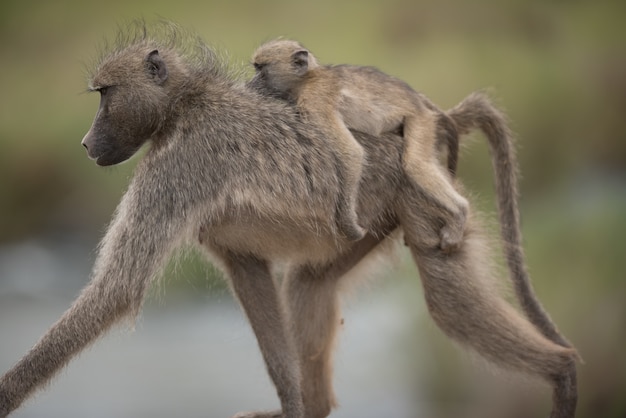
(92, 314)
(422, 166)
(256, 291)
(311, 295)
(130, 256)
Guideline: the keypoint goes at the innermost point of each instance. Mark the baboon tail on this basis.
(447, 134)
(477, 111)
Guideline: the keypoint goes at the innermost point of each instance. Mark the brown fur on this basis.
(344, 97)
(242, 176)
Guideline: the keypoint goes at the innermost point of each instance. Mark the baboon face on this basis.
(280, 66)
(133, 97)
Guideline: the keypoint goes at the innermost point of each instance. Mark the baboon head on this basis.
(280, 66)
(134, 97)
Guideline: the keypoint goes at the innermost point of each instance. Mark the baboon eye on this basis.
(258, 67)
(102, 90)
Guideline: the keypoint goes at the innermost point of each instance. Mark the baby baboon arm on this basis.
(351, 159)
(349, 155)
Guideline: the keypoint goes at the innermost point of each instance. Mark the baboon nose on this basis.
(85, 141)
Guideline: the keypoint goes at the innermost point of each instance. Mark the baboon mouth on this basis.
(103, 161)
(98, 159)
(91, 157)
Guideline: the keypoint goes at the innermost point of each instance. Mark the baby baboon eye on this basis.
(258, 66)
(102, 90)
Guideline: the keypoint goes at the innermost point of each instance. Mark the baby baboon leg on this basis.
(463, 300)
(256, 291)
(311, 294)
(351, 159)
(421, 164)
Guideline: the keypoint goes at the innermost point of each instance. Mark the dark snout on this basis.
(100, 150)
(106, 149)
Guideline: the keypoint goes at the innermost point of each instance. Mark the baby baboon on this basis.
(343, 97)
(244, 178)
(366, 100)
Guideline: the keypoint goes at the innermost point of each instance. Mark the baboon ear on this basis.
(300, 60)
(156, 67)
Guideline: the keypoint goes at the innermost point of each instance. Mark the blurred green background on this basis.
(557, 67)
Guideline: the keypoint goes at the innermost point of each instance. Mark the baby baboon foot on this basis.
(451, 234)
(263, 414)
(451, 237)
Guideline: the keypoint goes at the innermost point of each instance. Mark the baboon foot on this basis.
(262, 414)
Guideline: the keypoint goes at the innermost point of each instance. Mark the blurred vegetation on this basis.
(558, 67)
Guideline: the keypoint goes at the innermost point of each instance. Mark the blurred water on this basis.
(192, 357)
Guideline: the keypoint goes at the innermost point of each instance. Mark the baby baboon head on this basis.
(280, 67)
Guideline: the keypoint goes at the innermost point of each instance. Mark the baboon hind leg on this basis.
(422, 166)
(464, 302)
(314, 314)
(311, 294)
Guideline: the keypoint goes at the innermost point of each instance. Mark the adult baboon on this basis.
(242, 175)
(342, 97)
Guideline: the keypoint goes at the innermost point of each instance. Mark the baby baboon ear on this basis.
(300, 60)
(156, 67)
